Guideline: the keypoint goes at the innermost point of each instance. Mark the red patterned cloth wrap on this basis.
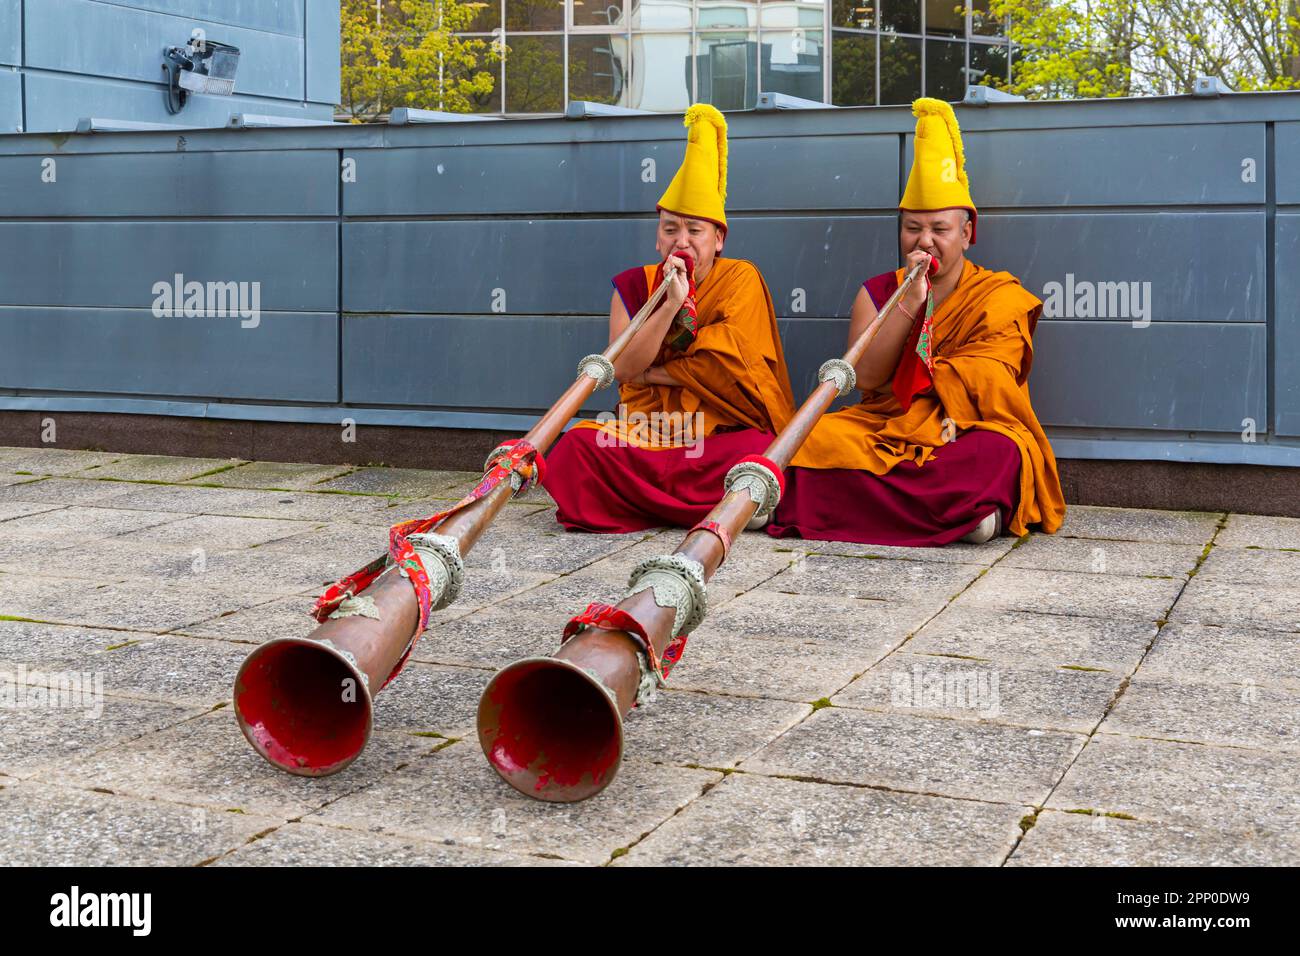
(684, 327)
(606, 617)
(915, 372)
(517, 457)
(720, 531)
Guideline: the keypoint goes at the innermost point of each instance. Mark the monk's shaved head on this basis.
(943, 233)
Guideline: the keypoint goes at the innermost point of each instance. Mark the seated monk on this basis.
(704, 381)
(944, 444)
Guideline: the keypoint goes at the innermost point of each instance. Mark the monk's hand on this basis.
(678, 285)
(913, 302)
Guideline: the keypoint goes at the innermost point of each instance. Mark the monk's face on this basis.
(944, 235)
(701, 239)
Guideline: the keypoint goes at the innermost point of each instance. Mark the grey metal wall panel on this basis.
(1200, 266)
(11, 102)
(287, 356)
(404, 266)
(1286, 343)
(290, 183)
(468, 361)
(828, 172)
(11, 32)
(1114, 166)
(276, 16)
(106, 264)
(517, 362)
(96, 39)
(322, 47)
(55, 103)
(1171, 376)
(1286, 146)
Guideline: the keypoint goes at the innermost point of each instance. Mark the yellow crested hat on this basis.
(938, 177)
(699, 190)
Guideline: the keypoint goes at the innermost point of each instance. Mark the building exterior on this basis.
(62, 61)
(662, 55)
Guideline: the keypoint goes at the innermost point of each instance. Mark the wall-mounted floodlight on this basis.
(201, 66)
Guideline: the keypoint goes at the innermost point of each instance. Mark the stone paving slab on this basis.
(404, 482)
(1093, 556)
(77, 525)
(52, 646)
(51, 461)
(171, 669)
(1131, 524)
(706, 730)
(1022, 636)
(956, 758)
(1181, 783)
(756, 821)
(166, 468)
(58, 826)
(1072, 839)
(1234, 604)
(454, 797)
(1072, 593)
(276, 474)
(1043, 697)
(1236, 655)
(1258, 531)
(65, 491)
(207, 762)
(1221, 711)
(881, 579)
(309, 844)
(39, 735)
(247, 503)
(18, 509)
(849, 624)
(1252, 566)
(959, 552)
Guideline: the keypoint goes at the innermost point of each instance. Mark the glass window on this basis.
(535, 74)
(987, 60)
(945, 69)
(792, 14)
(661, 72)
(793, 63)
(726, 14)
(598, 68)
(598, 13)
(982, 22)
(900, 16)
(726, 70)
(488, 17)
(486, 102)
(900, 70)
(661, 14)
(857, 14)
(945, 18)
(534, 14)
(853, 69)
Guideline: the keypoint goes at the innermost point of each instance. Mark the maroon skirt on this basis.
(912, 505)
(620, 489)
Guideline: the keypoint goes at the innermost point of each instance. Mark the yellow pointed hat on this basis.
(699, 190)
(938, 177)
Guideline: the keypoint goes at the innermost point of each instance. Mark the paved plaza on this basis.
(1126, 692)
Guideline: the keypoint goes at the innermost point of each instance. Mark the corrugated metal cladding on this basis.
(62, 60)
(452, 274)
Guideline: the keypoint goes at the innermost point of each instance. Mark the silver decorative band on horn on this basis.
(597, 367)
(346, 655)
(677, 582)
(440, 555)
(841, 371)
(757, 479)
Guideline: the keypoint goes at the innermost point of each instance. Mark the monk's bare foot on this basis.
(987, 529)
(755, 523)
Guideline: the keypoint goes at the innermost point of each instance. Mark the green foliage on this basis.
(1065, 49)
(406, 53)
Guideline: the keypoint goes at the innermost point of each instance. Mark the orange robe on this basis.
(982, 350)
(734, 373)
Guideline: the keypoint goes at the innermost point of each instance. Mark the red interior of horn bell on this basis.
(550, 731)
(302, 708)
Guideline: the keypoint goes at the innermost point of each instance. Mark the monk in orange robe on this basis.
(945, 444)
(699, 391)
